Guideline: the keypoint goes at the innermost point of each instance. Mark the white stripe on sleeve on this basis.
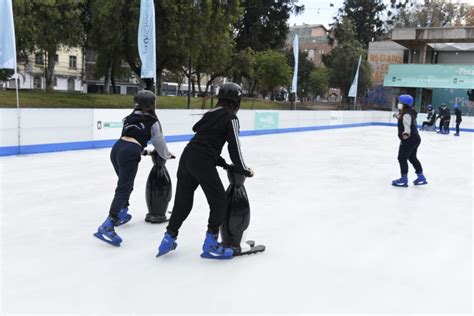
(236, 134)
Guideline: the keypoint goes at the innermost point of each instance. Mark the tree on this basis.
(366, 16)
(305, 67)
(318, 82)
(342, 62)
(109, 45)
(212, 54)
(432, 13)
(272, 71)
(264, 24)
(48, 25)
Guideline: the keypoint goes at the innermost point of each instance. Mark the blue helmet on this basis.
(430, 107)
(406, 99)
(456, 106)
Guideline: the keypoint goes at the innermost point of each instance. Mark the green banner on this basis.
(430, 76)
(266, 120)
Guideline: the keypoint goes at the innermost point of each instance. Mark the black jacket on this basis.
(213, 130)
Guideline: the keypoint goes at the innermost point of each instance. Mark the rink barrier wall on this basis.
(51, 130)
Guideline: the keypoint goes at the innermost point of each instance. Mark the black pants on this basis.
(195, 168)
(441, 124)
(407, 152)
(125, 157)
(457, 127)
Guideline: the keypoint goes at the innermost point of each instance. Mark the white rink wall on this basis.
(45, 130)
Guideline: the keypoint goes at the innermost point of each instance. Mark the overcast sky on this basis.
(320, 11)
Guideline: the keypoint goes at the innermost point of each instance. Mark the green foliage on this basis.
(5, 74)
(318, 82)
(243, 65)
(272, 70)
(213, 44)
(47, 25)
(342, 62)
(305, 67)
(431, 13)
(264, 24)
(366, 16)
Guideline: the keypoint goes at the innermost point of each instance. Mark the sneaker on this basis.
(213, 250)
(167, 244)
(402, 182)
(106, 232)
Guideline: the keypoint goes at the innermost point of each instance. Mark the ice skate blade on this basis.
(206, 255)
(101, 237)
(252, 250)
(125, 221)
(400, 185)
(420, 183)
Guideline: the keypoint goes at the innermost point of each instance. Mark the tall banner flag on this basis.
(7, 36)
(146, 39)
(294, 84)
(355, 82)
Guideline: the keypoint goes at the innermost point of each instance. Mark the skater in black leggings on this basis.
(458, 114)
(139, 127)
(197, 167)
(409, 142)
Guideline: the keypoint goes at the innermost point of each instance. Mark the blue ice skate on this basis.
(167, 244)
(402, 182)
(123, 217)
(213, 250)
(107, 233)
(420, 180)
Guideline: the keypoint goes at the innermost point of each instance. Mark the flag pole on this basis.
(18, 111)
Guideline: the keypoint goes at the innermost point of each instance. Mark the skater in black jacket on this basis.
(458, 114)
(139, 127)
(409, 142)
(444, 117)
(197, 167)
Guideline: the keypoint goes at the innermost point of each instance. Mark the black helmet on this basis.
(144, 99)
(230, 91)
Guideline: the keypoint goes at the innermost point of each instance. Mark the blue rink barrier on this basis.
(45, 148)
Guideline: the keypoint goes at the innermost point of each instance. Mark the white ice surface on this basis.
(339, 237)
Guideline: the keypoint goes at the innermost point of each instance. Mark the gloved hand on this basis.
(252, 173)
(146, 152)
(222, 163)
(172, 156)
(405, 136)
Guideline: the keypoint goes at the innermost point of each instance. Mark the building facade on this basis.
(68, 71)
(313, 39)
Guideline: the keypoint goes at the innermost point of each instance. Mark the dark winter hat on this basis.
(144, 99)
(406, 99)
(230, 91)
(430, 107)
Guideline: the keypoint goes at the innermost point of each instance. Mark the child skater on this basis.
(430, 119)
(197, 166)
(458, 114)
(409, 142)
(139, 127)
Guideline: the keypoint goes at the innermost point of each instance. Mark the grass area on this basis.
(40, 99)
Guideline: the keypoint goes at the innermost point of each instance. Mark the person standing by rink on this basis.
(197, 166)
(409, 142)
(458, 114)
(139, 127)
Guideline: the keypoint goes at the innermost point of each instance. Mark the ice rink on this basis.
(339, 237)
